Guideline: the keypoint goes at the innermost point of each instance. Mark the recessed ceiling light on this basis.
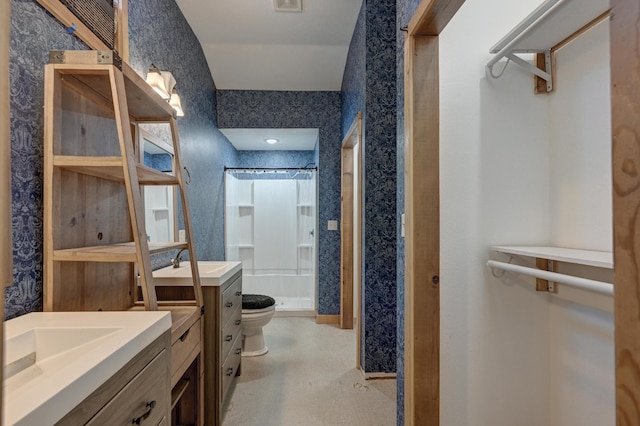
(271, 141)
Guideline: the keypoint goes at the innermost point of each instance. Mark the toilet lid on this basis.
(257, 301)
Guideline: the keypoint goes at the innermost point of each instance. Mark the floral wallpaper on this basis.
(321, 110)
(33, 33)
(158, 34)
(276, 158)
(369, 85)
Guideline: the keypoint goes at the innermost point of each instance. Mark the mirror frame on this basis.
(142, 136)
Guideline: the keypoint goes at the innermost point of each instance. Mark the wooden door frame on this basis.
(625, 126)
(422, 211)
(348, 197)
(422, 345)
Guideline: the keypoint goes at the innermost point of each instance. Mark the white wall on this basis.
(511, 356)
(581, 345)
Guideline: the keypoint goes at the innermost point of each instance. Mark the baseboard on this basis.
(307, 313)
(327, 319)
(378, 376)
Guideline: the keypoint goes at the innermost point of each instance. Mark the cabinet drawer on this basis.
(230, 366)
(147, 394)
(184, 350)
(231, 330)
(231, 298)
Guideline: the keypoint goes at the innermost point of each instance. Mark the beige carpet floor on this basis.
(309, 378)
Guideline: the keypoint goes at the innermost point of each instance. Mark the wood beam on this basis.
(432, 16)
(625, 98)
(422, 204)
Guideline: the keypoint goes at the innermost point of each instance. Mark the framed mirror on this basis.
(159, 200)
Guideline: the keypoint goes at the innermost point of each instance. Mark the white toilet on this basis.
(257, 311)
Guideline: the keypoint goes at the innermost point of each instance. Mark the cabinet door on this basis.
(144, 400)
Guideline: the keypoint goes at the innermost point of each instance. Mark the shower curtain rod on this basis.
(284, 169)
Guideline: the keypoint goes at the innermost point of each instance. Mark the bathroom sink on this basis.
(54, 360)
(42, 349)
(212, 273)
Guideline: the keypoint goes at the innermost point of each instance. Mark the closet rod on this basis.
(584, 283)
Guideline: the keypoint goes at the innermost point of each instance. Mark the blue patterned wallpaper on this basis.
(33, 33)
(162, 162)
(369, 84)
(354, 83)
(159, 34)
(275, 158)
(321, 110)
(404, 12)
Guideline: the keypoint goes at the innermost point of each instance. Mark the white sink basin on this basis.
(212, 273)
(54, 360)
(42, 349)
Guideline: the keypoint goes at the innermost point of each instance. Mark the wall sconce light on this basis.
(175, 103)
(271, 141)
(164, 83)
(161, 81)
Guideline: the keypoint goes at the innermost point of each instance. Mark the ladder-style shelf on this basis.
(94, 222)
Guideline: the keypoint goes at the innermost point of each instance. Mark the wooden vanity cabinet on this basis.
(139, 390)
(222, 339)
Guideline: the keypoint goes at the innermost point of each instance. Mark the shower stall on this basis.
(270, 225)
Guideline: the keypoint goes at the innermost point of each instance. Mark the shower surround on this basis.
(270, 225)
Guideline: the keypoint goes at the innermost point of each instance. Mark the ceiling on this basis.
(249, 46)
(288, 139)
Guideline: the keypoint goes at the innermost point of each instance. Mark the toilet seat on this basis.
(257, 302)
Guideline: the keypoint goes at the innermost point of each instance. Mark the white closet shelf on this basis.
(548, 27)
(600, 259)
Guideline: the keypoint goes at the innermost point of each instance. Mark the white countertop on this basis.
(212, 273)
(68, 356)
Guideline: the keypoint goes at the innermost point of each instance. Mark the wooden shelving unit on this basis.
(96, 250)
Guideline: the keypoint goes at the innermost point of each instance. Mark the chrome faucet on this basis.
(176, 260)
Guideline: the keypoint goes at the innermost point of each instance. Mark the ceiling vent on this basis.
(287, 5)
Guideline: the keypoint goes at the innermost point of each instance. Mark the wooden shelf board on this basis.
(149, 176)
(182, 317)
(111, 168)
(123, 252)
(178, 391)
(600, 259)
(143, 102)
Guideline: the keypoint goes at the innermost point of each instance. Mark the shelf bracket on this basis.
(543, 74)
(545, 284)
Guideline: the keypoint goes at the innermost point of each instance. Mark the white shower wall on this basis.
(270, 227)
